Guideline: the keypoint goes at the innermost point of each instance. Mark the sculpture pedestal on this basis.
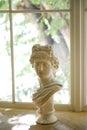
(47, 119)
(47, 113)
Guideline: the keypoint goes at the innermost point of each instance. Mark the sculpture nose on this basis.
(41, 67)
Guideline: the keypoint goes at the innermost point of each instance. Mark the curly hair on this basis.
(44, 52)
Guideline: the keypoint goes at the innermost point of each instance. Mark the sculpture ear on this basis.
(54, 72)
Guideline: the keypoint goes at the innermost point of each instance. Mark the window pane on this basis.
(4, 5)
(5, 59)
(41, 4)
(42, 28)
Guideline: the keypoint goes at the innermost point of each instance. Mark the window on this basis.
(24, 23)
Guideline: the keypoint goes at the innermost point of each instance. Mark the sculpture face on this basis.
(43, 68)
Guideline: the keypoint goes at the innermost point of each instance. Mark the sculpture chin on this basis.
(47, 119)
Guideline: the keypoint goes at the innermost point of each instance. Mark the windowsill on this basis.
(67, 120)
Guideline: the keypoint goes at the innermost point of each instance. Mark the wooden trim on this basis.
(62, 107)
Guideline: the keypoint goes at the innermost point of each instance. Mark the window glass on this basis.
(4, 5)
(5, 59)
(42, 28)
(40, 4)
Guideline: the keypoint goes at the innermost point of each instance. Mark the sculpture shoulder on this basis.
(57, 83)
(53, 83)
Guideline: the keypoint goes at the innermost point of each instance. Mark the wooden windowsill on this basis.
(67, 120)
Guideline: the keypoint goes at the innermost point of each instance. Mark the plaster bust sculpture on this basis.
(45, 64)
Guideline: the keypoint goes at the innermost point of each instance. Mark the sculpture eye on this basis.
(46, 65)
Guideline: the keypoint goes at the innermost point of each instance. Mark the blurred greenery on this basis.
(55, 4)
(4, 4)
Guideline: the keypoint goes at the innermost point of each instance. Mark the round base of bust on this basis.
(47, 119)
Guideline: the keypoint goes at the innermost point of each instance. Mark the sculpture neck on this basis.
(43, 83)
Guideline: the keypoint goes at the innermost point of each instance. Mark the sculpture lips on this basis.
(40, 73)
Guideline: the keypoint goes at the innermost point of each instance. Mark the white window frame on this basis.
(77, 61)
(85, 58)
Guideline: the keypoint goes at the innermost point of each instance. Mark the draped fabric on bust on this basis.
(45, 91)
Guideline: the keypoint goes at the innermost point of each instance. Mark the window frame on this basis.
(77, 59)
(77, 56)
(85, 59)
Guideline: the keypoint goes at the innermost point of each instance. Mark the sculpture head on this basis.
(44, 61)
